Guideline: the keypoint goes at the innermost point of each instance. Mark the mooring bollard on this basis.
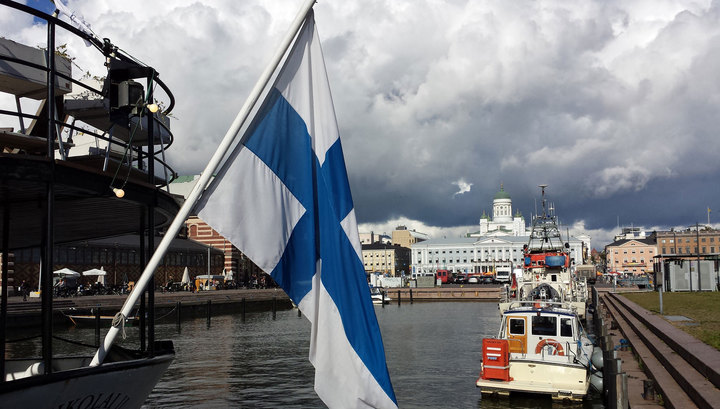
(178, 307)
(648, 389)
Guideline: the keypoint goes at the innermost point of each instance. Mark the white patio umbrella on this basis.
(186, 276)
(66, 272)
(228, 275)
(95, 272)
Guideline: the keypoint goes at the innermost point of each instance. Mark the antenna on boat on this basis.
(542, 187)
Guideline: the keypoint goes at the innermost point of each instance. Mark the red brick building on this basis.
(235, 261)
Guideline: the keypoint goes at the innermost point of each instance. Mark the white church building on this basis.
(498, 245)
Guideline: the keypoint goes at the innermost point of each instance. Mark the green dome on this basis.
(501, 194)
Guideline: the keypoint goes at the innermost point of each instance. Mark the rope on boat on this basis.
(9, 341)
(74, 342)
(168, 313)
(119, 321)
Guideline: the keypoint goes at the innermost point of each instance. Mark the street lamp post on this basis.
(697, 248)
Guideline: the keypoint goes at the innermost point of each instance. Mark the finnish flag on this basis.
(282, 197)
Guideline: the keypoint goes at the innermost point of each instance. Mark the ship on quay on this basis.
(51, 194)
(542, 346)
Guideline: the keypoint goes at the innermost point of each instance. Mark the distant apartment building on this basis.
(631, 255)
(372, 237)
(383, 258)
(406, 238)
(703, 241)
(631, 233)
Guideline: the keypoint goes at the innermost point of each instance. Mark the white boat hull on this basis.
(113, 385)
(560, 381)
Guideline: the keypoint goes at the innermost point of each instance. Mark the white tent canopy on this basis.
(66, 272)
(94, 272)
(186, 276)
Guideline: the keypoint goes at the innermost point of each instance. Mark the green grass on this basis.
(703, 308)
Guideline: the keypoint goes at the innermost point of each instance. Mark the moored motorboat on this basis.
(379, 296)
(541, 348)
(51, 195)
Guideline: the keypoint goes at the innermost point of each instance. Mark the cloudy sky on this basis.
(613, 104)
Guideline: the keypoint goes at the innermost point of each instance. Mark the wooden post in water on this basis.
(411, 299)
(274, 306)
(243, 309)
(382, 300)
(178, 307)
(97, 325)
(209, 306)
(399, 297)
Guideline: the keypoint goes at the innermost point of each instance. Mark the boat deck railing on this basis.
(112, 112)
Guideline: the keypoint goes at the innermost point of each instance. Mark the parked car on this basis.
(461, 279)
(487, 280)
(473, 280)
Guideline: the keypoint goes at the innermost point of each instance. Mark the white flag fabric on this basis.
(283, 199)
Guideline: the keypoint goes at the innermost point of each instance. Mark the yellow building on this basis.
(631, 255)
(406, 238)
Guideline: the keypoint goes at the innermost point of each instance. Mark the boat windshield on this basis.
(544, 325)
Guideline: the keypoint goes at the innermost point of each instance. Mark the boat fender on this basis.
(597, 358)
(596, 381)
(556, 347)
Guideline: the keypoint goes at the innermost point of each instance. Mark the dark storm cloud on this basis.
(614, 104)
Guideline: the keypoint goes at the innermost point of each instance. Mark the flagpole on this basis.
(205, 176)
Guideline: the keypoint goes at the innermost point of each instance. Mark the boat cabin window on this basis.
(546, 326)
(553, 277)
(566, 327)
(517, 326)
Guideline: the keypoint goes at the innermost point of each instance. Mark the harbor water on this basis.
(433, 353)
